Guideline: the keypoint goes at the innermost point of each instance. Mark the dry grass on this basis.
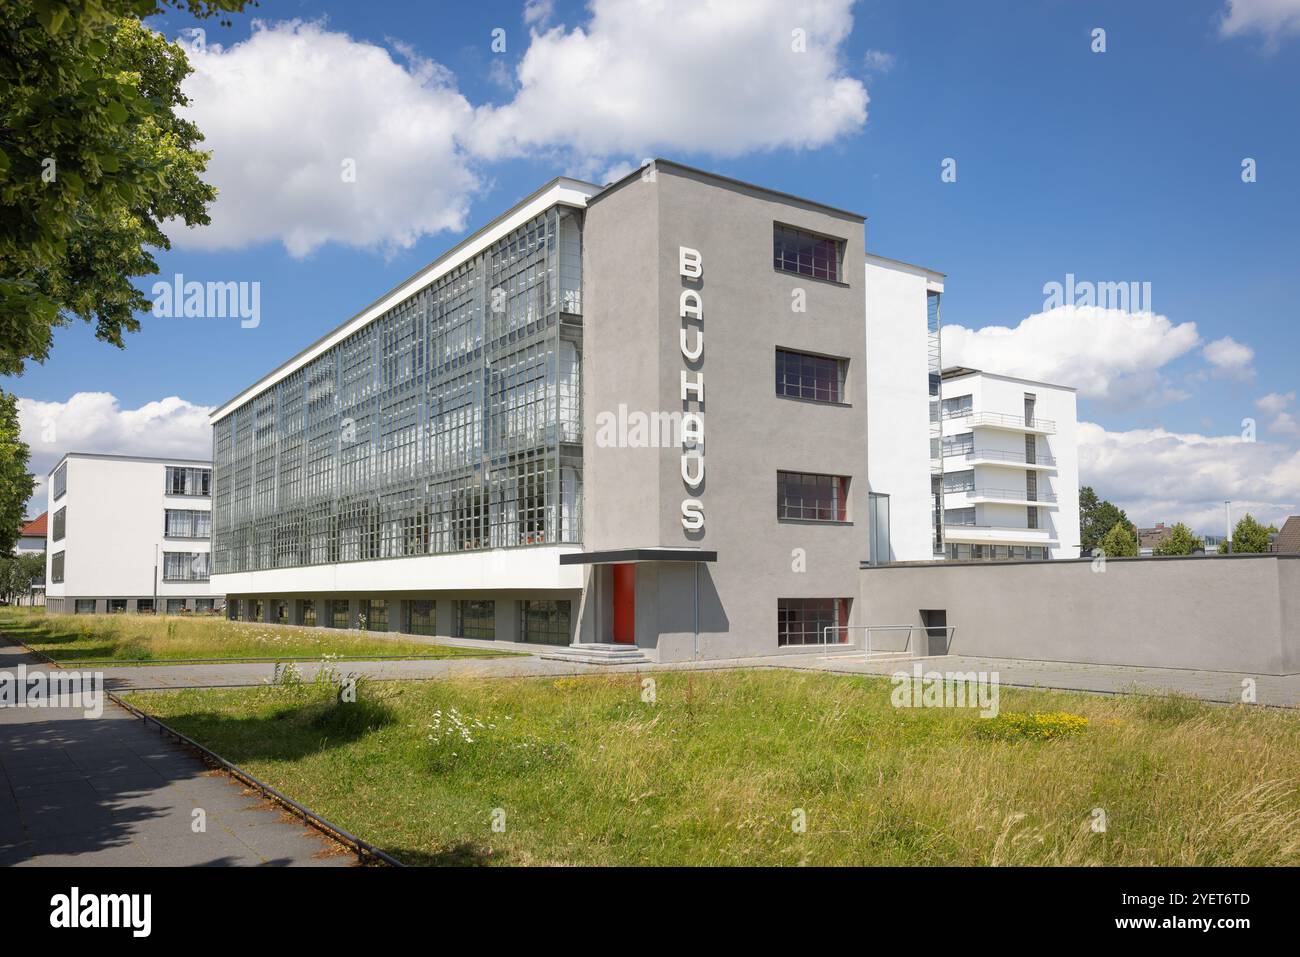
(131, 639)
(719, 768)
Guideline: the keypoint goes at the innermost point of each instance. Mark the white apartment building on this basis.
(1010, 467)
(903, 370)
(129, 534)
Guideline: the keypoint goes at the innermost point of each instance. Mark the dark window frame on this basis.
(803, 375)
(807, 254)
(826, 509)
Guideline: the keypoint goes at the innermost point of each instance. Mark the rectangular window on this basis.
(545, 622)
(476, 619)
(187, 523)
(144, 606)
(60, 481)
(958, 405)
(878, 527)
(961, 444)
(232, 609)
(185, 566)
(56, 568)
(309, 611)
(175, 606)
(959, 516)
(812, 621)
(282, 612)
(808, 497)
(116, 606)
(188, 481)
(60, 525)
(801, 375)
(422, 617)
(962, 481)
(203, 604)
(377, 615)
(84, 606)
(806, 254)
(338, 613)
(254, 609)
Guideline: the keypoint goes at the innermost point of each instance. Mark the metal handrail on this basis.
(1012, 494)
(930, 631)
(1000, 456)
(1001, 418)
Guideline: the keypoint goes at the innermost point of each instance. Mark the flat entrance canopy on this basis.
(622, 564)
(619, 556)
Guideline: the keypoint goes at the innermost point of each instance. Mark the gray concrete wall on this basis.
(632, 355)
(1239, 614)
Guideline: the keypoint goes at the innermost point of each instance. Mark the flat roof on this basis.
(874, 257)
(127, 458)
(673, 164)
(958, 372)
(562, 190)
(619, 556)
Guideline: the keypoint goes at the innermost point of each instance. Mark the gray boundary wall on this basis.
(1239, 613)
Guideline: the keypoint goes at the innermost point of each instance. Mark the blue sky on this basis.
(1123, 165)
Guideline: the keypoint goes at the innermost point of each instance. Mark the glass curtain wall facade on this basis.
(450, 423)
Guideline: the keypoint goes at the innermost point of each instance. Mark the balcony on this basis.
(999, 457)
(997, 535)
(1001, 496)
(998, 420)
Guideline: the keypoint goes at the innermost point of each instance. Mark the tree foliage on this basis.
(1119, 542)
(93, 160)
(16, 483)
(1249, 537)
(18, 573)
(1179, 541)
(1096, 517)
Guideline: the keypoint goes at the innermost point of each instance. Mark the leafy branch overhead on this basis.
(93, 160)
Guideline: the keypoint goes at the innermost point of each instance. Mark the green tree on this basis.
(1119, 542)
(18, 572)
(16, 483)
(1248, 537)
(1097, 517)
(93, 159)
(1179, 541)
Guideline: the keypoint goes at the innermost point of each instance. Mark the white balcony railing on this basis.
(997, 455)
(1000, 420)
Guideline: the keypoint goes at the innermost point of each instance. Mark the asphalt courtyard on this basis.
(111, 791)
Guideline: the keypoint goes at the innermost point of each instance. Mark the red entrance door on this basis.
(624, 603)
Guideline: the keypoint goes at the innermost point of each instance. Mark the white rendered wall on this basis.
(897, 401)
(115, 530)
(1058, 527)
(533, 568)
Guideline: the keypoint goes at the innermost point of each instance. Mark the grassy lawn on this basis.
(716, 770)
(136, 639)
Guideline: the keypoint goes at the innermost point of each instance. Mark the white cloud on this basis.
(538, 12)
(1274, 402)
(1160, 476)
(1230, 357)
(878, 61)
(96, 422)
(1106, 354)
(1270, 19)
(283, 110)
(706, 76)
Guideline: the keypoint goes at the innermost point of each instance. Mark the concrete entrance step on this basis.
(596, 653)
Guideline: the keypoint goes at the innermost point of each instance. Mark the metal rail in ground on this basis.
(365, 851)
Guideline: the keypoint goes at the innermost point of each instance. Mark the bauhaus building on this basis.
(662, 413)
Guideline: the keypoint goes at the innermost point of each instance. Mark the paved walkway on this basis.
(112, 791)
(1110, 679)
